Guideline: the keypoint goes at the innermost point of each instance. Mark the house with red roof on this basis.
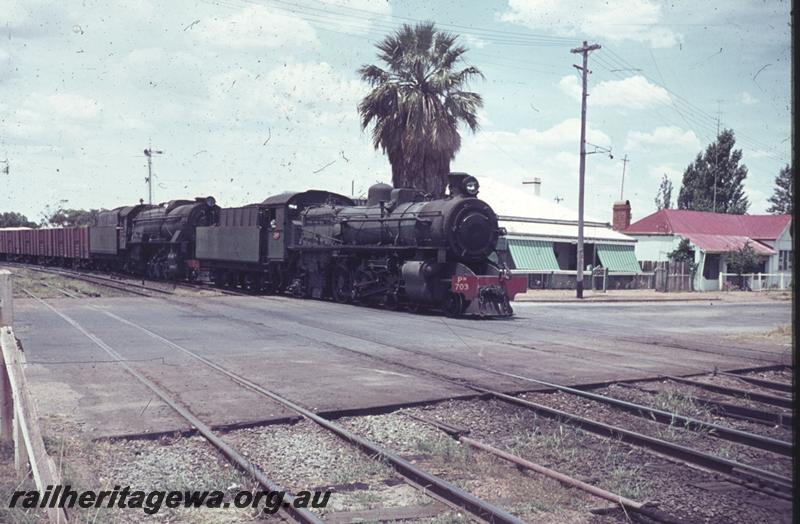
(713, 236)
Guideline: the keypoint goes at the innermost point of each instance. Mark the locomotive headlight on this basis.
(471, 186)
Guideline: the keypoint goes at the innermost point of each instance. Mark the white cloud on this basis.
(70, 106)
(665, 137)
(747, 99)
(550, 154)
(297, 92)
(258, 26)
(561, 135)
(634, 92)
(636, 20)
(674, 174)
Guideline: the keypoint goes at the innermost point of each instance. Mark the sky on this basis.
(248, 98)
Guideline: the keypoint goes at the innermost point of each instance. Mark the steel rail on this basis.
(443, 490)
(735, 392)
(100, 280)
(80, 276)
(60, 290)
(666, 417)
(777, 485)
(729, 410)
(624, 502)
(104, 279)
(731, 468)
(769, 384)
(244, 464)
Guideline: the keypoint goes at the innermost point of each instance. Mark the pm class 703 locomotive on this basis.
(400, 249)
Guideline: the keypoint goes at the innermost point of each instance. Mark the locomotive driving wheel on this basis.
(342, 284)
(454, 305)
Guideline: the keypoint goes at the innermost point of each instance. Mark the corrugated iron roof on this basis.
(686, 222)
(727, 243)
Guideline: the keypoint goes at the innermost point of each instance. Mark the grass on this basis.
(359, 469)
(10, 482)
(46, 285)
(449, 518)
(675, 402)
(446, 451)
(617, 467)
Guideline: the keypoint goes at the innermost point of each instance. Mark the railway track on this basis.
(751, 476)
(432, 485)
(124, 283)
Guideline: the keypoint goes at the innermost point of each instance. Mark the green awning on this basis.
(617, 258)
(533, 254)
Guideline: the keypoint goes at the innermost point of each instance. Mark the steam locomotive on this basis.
(400, 248)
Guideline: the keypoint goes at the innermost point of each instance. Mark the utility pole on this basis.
(149, 152)
(584, 50)
(716, 158)
(622, 185)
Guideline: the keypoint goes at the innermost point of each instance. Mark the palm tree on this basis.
(417, 103)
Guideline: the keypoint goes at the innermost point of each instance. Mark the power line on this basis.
(699, 112)
(700, 120)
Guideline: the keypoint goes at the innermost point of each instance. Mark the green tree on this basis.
(663, 198)
(417, 102)
(717, 167)
(61, 217)
(13, 219)
(783, 196)
(743, 260)
(685, 253)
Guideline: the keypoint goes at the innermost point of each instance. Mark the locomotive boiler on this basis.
(402, 248)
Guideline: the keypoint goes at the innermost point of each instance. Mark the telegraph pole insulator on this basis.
(584, 50)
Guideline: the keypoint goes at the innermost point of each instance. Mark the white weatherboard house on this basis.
(542, 237)
(712, 236)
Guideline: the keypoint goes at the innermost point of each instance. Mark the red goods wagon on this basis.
(51, 248)
(58, 243)
(26, 242)
(10, 241)
(29, 241)
(15, 241)
(76, 243)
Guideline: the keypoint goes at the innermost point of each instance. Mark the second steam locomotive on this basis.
(398, 249)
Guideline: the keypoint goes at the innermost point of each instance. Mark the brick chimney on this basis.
(622, 215)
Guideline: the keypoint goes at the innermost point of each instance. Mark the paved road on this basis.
(313, 352)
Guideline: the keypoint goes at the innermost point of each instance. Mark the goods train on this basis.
(400, 248)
